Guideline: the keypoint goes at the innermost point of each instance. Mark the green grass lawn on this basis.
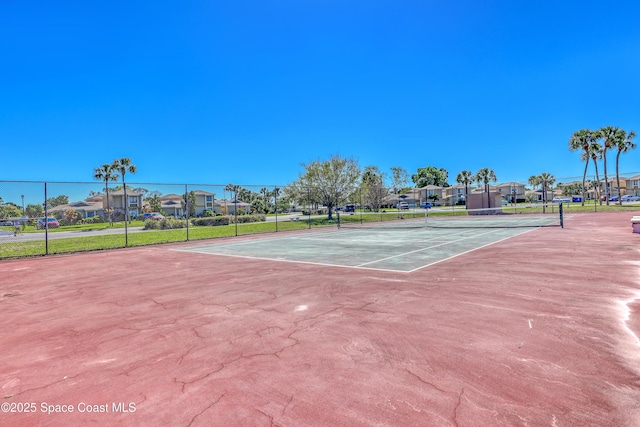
(13, 249)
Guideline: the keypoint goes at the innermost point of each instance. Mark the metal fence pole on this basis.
(186, 214)
(46, 222)
(309, 205)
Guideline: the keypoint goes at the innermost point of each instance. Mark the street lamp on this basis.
(22, 195)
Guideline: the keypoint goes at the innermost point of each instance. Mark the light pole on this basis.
(23, 220)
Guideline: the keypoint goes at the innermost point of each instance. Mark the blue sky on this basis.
(246, 91)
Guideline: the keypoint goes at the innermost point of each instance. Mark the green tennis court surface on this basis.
(404, 247)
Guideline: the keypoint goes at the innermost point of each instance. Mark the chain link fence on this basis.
(41, 218)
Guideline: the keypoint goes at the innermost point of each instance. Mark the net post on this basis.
(561, 209)
(338, 219)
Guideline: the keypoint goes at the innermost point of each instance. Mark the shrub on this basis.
(208, 214)
(164, 224)
(94, 220)
(151, 225)
(211, 221)
(249, 218)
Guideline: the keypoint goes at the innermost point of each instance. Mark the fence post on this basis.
(46, 222)
(186, 214)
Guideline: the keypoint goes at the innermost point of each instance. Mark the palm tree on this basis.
(546, 180)
(106, 173)
(534, 181)
(610, 135)
(485, 176)
(580, 140)
(465, 177)
(123, 166)
(595, 152)
(624, 143)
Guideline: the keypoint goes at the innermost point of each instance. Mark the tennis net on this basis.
(507, 217)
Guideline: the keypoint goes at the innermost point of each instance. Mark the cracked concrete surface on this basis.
(535, 330)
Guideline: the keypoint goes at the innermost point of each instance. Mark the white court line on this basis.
(323, 264)
(201, 248)
(470, 250)
(428, 247)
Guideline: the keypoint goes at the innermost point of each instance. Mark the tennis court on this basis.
(532, 327)
(400, 245)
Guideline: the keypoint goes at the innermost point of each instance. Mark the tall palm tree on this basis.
(534, 181)
(595, 152)
(465, 177)
(546, 180)
(624, 143)
(485, 176)
(609, 135)
(106, 173)
(123, 166)
(580, 140)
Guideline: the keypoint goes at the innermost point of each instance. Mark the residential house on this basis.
(172, 205)
(229, 207)
(512, 191)
(205, 201)
(431, 194)
(455, 193)
(117, 203)
(85, 209)
(632, 185)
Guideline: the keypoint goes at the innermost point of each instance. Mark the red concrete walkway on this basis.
(540, 329)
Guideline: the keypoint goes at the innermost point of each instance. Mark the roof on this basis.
(82, 205)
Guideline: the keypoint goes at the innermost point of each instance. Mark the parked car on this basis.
(576, 199)
(350, 208)
(425, 205)
(403, 205)
(630, 198)
(7, 223)
(153, 215)
(43, 223)
(613, 198)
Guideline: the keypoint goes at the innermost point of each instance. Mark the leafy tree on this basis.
(372, 188)
(623, 144)
(581, 140)
(34, 210)
(57, 201)
(465, 178)
(329, 182)
(190, 201)
(400, 178)
(155, 203)
(485, 176)
(123, 166)
(571, 189)
(106, 173)
(430, 175)
(71, 216)
(9, 210)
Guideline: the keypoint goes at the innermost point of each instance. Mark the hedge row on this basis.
(228, 219)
